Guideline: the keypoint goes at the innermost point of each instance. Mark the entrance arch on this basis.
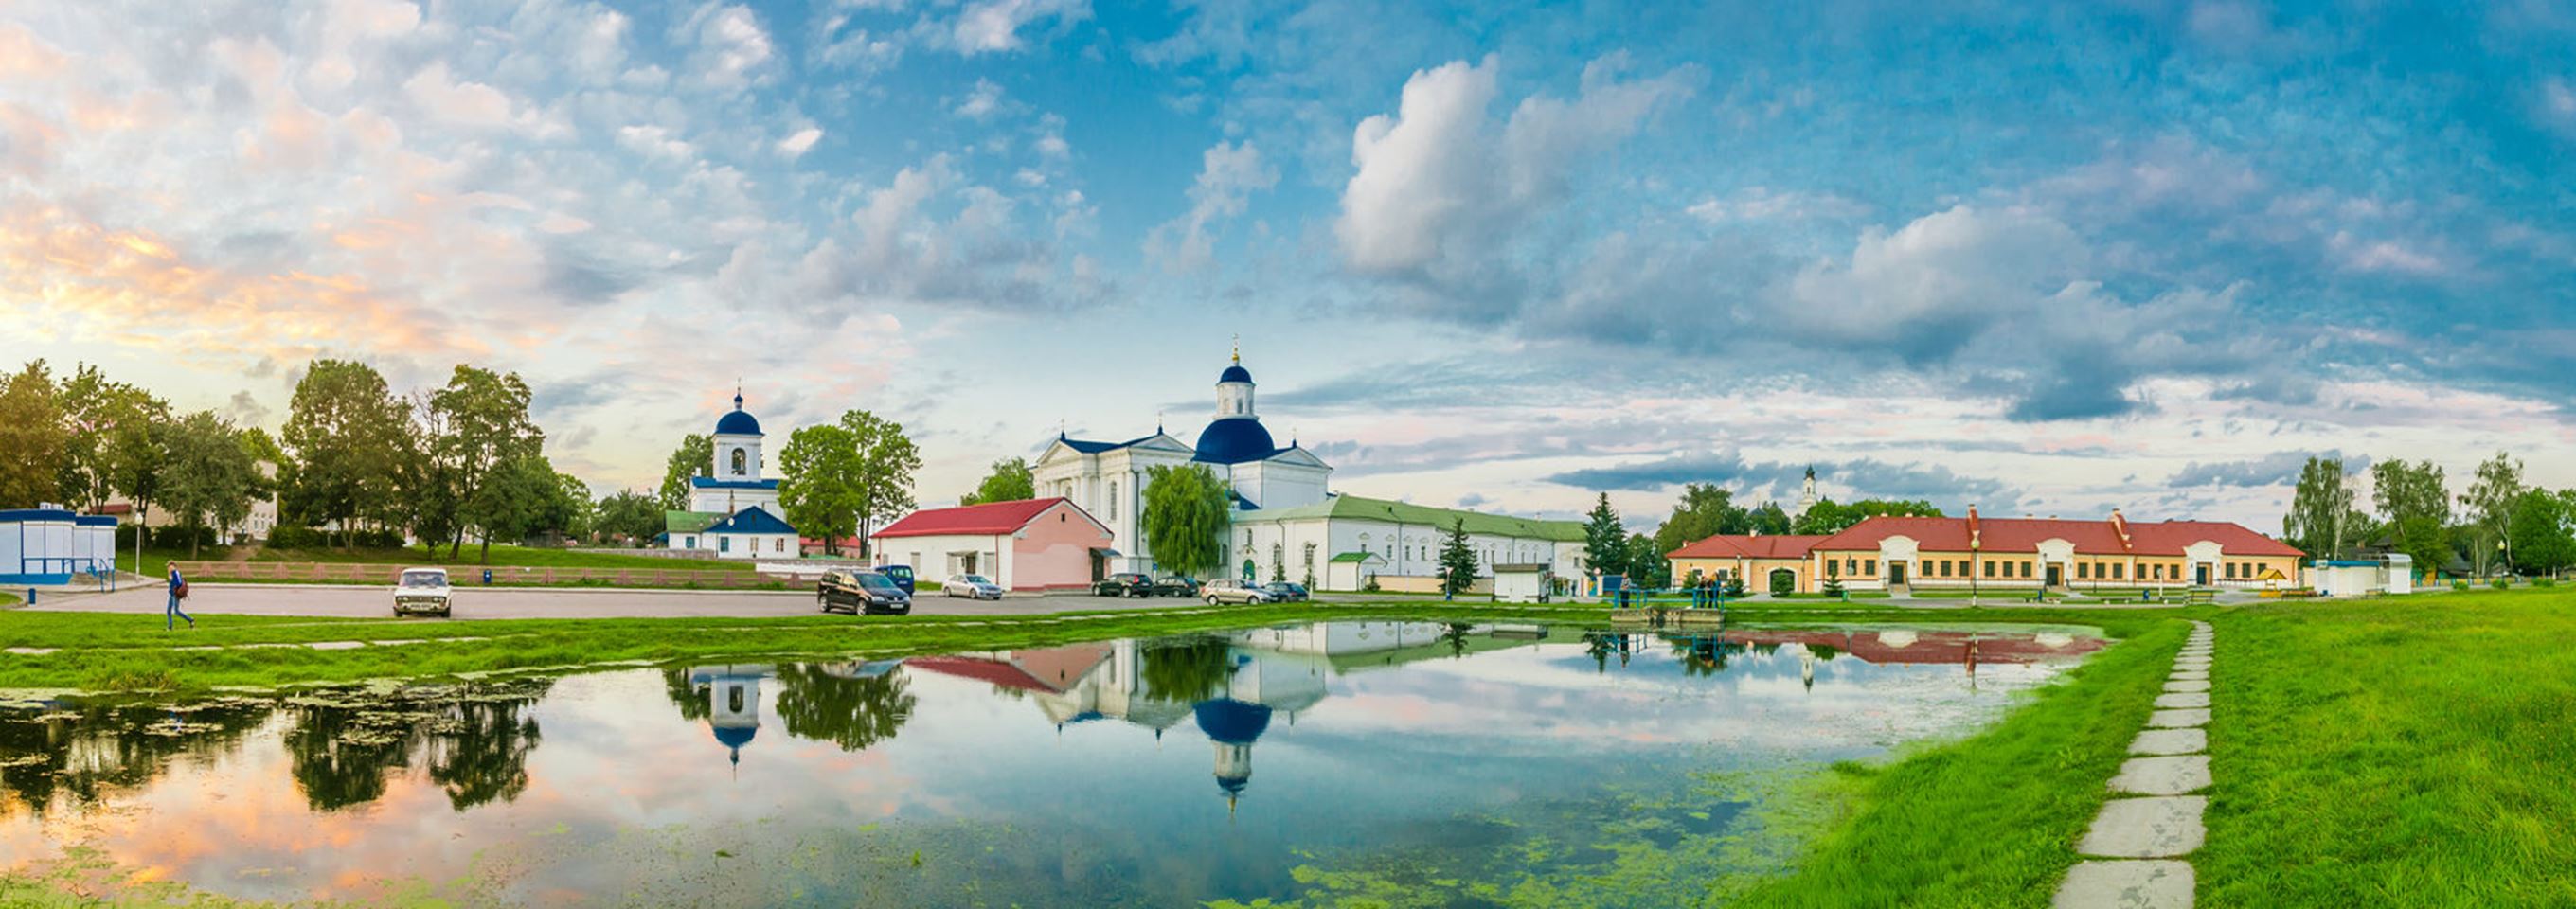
(1784, 581)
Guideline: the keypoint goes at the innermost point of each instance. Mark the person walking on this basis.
(178, 590)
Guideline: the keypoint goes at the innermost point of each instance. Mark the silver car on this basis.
(971, 586)
(1232, 591)
(423, 590)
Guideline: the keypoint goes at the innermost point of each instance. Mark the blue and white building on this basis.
(733, 510)
(51, 545)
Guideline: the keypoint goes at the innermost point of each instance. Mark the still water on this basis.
(1440, 764)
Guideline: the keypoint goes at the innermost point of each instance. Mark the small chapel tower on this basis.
(737, 445)
(1807, 493)
(1234, 389)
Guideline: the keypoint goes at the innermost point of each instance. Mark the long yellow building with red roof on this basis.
(1917, 553)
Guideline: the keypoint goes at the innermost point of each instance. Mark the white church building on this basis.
(1287, 522)
(733, 511)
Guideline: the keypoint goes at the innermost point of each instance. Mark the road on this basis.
(546, 603)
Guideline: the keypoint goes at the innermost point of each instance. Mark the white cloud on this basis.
(1756, 203)
(1229, 174)
(732, 48)
(798, 143)
(982, 102)
(654, 141)
(986, 26)
(466, 103)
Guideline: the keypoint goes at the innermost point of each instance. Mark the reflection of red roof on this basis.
(1054, 669)
(969, 520)
(1928, 647)
(1738, 546)
(2166, 538)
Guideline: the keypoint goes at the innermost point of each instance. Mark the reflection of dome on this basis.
(737, 422)
(1233, 785)
(1234, 440)
(1232, 722)
(735, 736)
(1235, 373)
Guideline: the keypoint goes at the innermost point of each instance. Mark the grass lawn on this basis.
(524, 556)
(2410, 751)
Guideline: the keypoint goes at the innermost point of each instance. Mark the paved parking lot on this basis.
(544, 603)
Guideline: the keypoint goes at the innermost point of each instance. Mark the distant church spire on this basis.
(1238, 350)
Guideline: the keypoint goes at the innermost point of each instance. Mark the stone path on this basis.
(2136, 851)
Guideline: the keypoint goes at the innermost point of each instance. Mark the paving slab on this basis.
(2196, 650)
(2129, 884)
(2182, 699)
(2175, 719)
(2170, 741)
(2164, 775)
(2185, 686)
(2190, 675)
(2192, 663)
(2153, 827)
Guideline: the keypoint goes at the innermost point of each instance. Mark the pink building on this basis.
(1031, 545)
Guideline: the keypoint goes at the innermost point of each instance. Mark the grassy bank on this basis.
(2409, 751)
(516, 556)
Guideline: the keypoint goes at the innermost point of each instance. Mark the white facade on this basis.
(739, 545)
(1306, 542)
(935, 558)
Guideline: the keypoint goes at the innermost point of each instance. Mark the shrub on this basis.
(1834, 587)
(2461, 586)
(1371, 586)
(1734, 587)
(2544, 583)
(2500, 583)
(1783, 584)
(296, 538)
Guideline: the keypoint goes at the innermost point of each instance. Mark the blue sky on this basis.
(2048, 260)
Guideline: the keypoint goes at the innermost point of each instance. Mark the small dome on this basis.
(738, 422)
(735, 736)
(1230, 721)
(1234, 440)
(1234, 373)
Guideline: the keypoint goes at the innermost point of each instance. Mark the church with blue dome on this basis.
(733, 509)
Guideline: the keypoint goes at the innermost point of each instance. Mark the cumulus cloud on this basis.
(733, 51)
(799, 142)
(456, 101)
(1229, 173)
(2276, 469)
(981, 102)
(1862, 478)
(989, 26)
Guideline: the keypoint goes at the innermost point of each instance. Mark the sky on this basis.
(2140, 254)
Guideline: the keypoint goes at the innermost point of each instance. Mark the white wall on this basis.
(932, 563)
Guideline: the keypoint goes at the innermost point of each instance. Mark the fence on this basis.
(472, 575)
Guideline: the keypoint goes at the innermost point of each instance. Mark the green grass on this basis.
(8, 599)
(522, 556)
(2406, 751)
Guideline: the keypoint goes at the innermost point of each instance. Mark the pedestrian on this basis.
(178, 591)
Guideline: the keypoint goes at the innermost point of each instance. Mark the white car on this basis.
(1231, 591)
(971, 586)
(423, 590)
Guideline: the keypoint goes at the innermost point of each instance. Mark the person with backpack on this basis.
(178, 591)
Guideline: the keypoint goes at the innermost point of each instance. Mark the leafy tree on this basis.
(2541, 534)
(1185, 519)
(135, 450)
(350, 438)
(1605, 541)
(2323, 518)
(886, 461)
(819, 488)
(1010, 481)
(580, 514)
(630, 514)
(210, 479)
(1457, 559)
(1646, 564)
(93, 409)
(1705, 510)
(518, 497)
(1829, 517)
(479, 422)
(694, 458)
(2416, 508)
(33, 443)
(1834, 587)
(852, 711)
(1768, 520)
(2491, 500)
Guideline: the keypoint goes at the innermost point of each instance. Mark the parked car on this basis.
(1123, 584)
(1232, 591)
(423, 590)
(861, 592)
(1284, 592)
(901, 575)
(972, 586)
(1173, 585)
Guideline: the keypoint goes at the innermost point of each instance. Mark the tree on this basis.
(479, 422)
(580, 514)
(1457, 560)
(2491, 500)
(1646, 564)
(2541, 538)
(2417, 510)
(518, 497)
(886, 461)
(1605, 542)
(1827, 517)
(1705, 510)
(632, 515)
(350, 438)
(33, 443)
(135, 451)
(1010, 481)
(93, 409)
(2322, 516)
(1185, 519)
(210, 480)
(695, 457)
(820, 490)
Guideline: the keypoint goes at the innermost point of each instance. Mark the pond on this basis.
(1434, 764)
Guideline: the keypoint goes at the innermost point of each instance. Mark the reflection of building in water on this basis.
(1231, 687)
(733, 703)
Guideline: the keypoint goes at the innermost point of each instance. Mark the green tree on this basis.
(1457, 559)
(210, 480)
(1646, 564)
(2491, 500)
(1705, 510)
(819, 488)
(135, 450)
(695, 457)
(2541, 537)
(2416, 509)
(1605, 542)
(33, 443)
(93, 409)
(1828, 517)
(477, 423)
(1185, 519)
(632, 515)
(1010, 481)
(518, 497)
(350, 438)
(1768, 520)
(886, 461)
(580, 514)
(2323, 518)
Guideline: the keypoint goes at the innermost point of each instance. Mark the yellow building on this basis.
(1975, 552)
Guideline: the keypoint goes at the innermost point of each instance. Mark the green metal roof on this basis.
(1350, 507)
(689, 521)
(1353, 557)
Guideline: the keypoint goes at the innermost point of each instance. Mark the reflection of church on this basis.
(733, 703)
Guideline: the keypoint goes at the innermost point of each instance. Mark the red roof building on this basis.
(1030, 545)
(1975, 551)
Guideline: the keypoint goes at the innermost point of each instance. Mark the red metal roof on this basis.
(969, 520)
(2089, 537)
(1742, 546)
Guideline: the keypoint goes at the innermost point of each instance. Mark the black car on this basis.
(859, 592)
(1284, 592)
(1175, 586)
(1123, 584)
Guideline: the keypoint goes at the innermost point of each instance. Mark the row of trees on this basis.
(85, 439)
(1705, 510)
(836, 479)
(2501, 521)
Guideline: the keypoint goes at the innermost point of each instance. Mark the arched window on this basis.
(740, 460)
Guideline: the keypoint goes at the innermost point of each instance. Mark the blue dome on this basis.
(735, 736)
(1234, 440)
(1234, 373)
(1230, 721)
(737, 423)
